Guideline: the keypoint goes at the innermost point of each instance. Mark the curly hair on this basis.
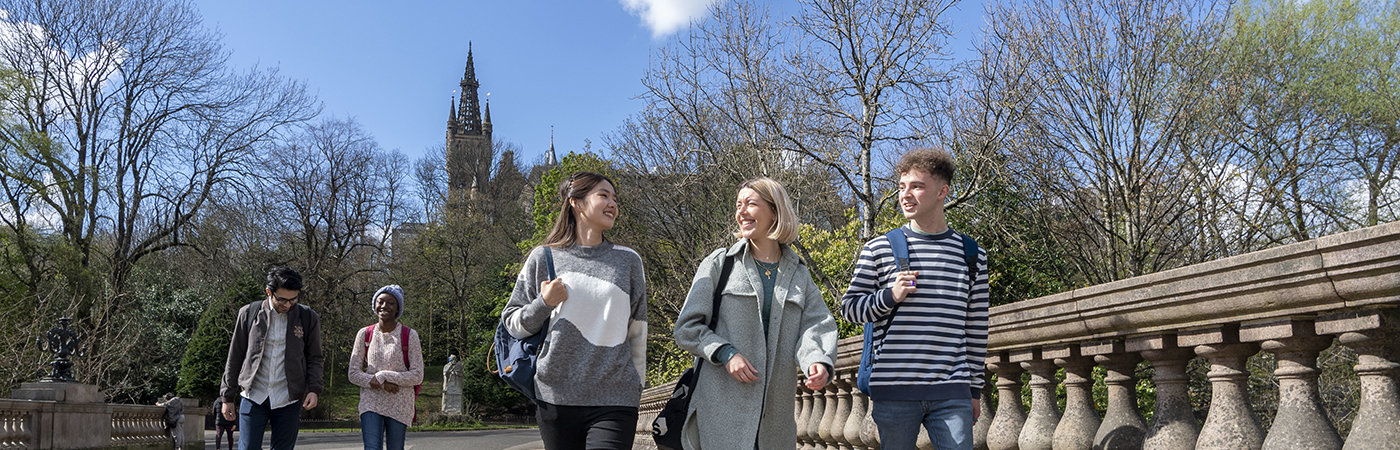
(935, 162)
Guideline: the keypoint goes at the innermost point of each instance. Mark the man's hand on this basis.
(391, 387)
(904, 285)
(553, 292)
(310, 401)
(817, 376)
(976, 409)
(229, 413)
(740, 369)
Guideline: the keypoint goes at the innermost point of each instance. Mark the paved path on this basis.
(514, 439)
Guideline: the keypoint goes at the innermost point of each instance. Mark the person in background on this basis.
(174, 418)
(274, 363)
(386, 367)
(223, 425)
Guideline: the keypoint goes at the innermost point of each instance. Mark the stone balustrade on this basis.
(1292, 301)
(64, 424)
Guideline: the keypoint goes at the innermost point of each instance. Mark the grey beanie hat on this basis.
(393, 290)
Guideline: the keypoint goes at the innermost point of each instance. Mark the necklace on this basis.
(766, 267)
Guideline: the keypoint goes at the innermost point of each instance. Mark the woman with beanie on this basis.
(387, 362)
(592, 365)
(772, 323)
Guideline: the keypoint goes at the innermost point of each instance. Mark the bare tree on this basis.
(146, 122)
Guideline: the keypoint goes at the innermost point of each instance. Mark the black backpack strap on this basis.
(549, 262)
(719, 287)
(970, 254)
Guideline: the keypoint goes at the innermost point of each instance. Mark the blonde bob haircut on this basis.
(785, 227)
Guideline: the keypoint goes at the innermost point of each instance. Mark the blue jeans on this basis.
(254, 418)
(378, 431)
(949, 423)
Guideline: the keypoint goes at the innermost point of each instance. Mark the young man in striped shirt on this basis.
(930, 321)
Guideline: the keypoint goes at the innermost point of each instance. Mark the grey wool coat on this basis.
(726, 414)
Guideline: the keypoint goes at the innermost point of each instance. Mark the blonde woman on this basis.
(772, 323)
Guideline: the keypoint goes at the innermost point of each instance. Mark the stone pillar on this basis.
(843, 411)
(984, 423)
(1122, 426)
(814, 422)
(860, 405)
(825, 427)
(1006, 427)
(1301, 422)
(804, 412)
(1080, 422)
(1374, 336)
(1231, 423)
(869, 433)
(1039, 429)
(1173, 424)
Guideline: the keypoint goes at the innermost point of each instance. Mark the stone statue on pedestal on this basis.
(452, 386)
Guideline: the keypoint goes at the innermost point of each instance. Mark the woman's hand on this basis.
(374, 383)
(740, 369)
(553, 292)
(391, 387)
(817, 376)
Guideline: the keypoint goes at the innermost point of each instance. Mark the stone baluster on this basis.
(1231, 423)
(1173, 424)
(1374, 336)
(984, 423)
(1080, 421)
(1006, 427)
(825, 427)
(843, 412)
(1301, 421)
(814, 422)
(860, 407)
(1122, 426)
(1038, 433)
(804, 412)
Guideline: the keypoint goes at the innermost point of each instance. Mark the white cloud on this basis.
(665, 17)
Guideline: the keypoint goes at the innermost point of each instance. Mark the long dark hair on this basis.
(576, 187)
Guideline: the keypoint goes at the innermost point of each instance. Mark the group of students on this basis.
(772, 322)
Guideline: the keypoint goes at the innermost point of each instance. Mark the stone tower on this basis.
(469, 154)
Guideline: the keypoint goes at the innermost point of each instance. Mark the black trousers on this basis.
(586, 427)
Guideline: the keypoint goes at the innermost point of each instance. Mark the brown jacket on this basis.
(303, 361)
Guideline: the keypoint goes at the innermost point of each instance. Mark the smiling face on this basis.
(597, 209)
(921, 195)
(386, 307)
(754, 215)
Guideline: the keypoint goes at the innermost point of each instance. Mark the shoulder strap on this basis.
(549, 262)
(369, 333)
(970, 254)
(403, 342)
(900, 245)
(719, 287)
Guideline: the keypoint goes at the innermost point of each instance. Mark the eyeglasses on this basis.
(284, 301)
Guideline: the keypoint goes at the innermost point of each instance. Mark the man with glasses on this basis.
(274, 363)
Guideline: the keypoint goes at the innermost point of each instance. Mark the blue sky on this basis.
(394, 66)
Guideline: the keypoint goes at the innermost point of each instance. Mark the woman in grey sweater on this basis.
(592, 365)
(772, 323)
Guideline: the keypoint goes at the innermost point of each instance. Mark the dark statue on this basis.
(63, 342)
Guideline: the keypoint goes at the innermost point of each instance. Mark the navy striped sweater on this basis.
(936, 346)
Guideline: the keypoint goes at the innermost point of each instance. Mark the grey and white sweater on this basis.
(595, 352)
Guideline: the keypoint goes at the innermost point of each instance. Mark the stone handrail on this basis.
(53, 424)
(1292, 301)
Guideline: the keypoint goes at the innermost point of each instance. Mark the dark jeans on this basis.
(380, 432)
(219, 432)
(586, 427)
(254, 418)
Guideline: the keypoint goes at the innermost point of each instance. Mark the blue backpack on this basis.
(900, 245)
(516, 358)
